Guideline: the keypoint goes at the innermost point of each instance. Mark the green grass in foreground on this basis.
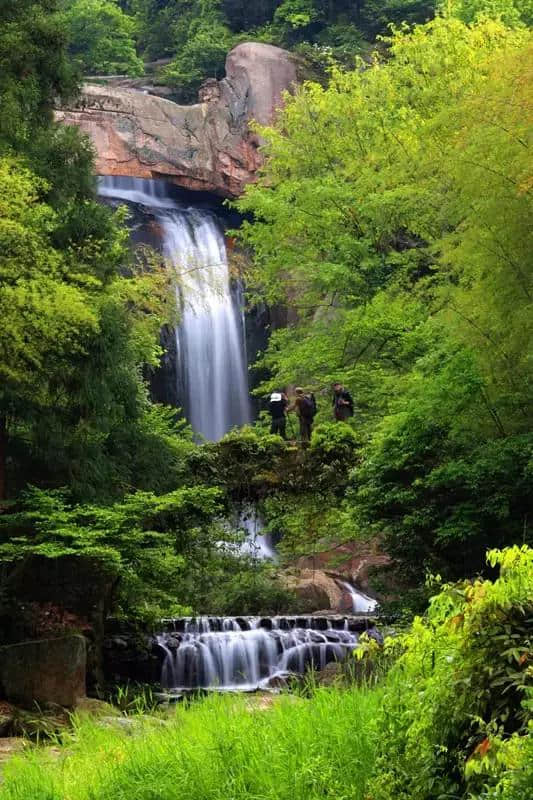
(220, 748)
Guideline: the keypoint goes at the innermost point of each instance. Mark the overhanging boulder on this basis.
(206, 146)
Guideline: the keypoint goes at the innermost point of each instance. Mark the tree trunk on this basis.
(3, 457)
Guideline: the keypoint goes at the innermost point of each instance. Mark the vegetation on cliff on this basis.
(393, 214)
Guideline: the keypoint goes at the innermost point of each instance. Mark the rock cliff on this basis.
(207, 146)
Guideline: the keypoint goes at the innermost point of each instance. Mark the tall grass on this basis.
(221, 748)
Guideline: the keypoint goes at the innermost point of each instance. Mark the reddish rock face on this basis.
(351, 560)
(207, 146)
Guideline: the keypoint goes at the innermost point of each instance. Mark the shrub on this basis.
(458, 700)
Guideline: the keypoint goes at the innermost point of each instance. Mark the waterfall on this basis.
(210, 339)
(257, 543)
(361, 603)
(246, 653)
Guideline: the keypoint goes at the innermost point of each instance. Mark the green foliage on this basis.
(147, 540)
(34, 70)
(458, 701)
(73, 337)
(450, 719)
(101, 37)
(199, 33)
(202, 44)
(392, 217)
(512, 12)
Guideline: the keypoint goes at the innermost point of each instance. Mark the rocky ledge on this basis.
(207, 146)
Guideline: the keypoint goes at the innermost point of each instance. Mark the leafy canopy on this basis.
(101, 37)
(393, 217)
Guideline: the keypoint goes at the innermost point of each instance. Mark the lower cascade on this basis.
(248, 653)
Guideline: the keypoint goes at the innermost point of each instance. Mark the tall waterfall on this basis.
(210, 338)
(246, 653)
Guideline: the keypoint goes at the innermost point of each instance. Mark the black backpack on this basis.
(277, 404)
(308, 406)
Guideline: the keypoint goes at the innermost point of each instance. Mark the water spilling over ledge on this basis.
(210, 339)
(248, 653)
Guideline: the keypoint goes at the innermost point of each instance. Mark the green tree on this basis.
(512, 12)
(34, 69)
(74, 336)
(102, 37)
(202, 41)
(392, 217)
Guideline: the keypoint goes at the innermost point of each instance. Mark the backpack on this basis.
(308, 407)
(277, 404)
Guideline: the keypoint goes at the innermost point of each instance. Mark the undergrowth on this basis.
(222, 748)
(446, 714)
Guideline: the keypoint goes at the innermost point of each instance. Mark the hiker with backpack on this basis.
(305, 407)
(277, 409)
(342, 403)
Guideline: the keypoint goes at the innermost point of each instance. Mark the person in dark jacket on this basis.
(305, 407)
(342, 403)
(278, 412)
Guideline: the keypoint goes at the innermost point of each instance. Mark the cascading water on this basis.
(257, 544)
(210, 337)
(247, 653)
(361, 603)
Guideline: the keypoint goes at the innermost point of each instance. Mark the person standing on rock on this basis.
(305, 407)
(278, 412)
(342, 403)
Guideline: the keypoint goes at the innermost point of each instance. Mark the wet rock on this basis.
(92, 707)
(353, 561)
(168, 698)
(129, 654)
(277, 682)
(126, 724)
(44, 671)
(131, 725)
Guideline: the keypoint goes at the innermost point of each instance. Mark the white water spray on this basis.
(361, 603)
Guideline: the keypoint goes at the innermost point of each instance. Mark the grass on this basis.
(221, 748)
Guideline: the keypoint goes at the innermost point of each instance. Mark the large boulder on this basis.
(44, 671)
(352, 561)
(207, 146)
(318, 590)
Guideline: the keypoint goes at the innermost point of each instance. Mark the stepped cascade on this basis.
(210, 338)
(247, 653)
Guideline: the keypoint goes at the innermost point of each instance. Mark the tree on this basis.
(512, 12)
(392, 216)
(202, 43)
(34, 69)
(102, 37)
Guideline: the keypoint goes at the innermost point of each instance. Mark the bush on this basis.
(458, 701)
